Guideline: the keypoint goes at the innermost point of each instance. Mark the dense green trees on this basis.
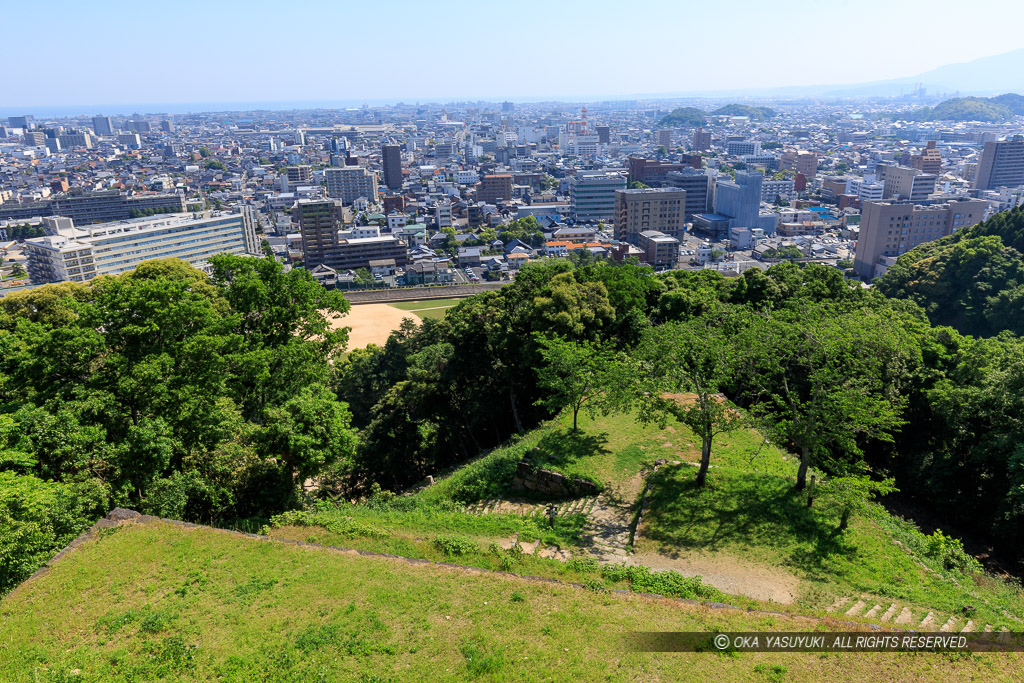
(166, 390)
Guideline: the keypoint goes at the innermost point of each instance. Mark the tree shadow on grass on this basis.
(742, 511)
(562, 447)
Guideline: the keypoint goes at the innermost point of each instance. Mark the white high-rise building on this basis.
(349, 183)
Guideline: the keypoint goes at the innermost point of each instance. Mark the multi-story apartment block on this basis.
(104, 206)
(298, 175)
(494, 188)
(928, 161)
(661, 210)
(391, 159)
(799, 161)
(349, 183)
(102, 125)
(76, 254)
(319, 222)
(1001, 164)
(889, 229)
(701, 139)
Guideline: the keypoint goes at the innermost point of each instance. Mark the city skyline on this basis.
(167, 59)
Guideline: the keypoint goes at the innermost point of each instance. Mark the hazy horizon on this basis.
(167, 57)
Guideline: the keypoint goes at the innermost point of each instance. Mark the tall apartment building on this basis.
(75, 140)
(102, 125)
(665, 138)
(77, 254)
(889, 229)
(1001, 164)
(299, 174)
(319, 222)
(391, 156)
(701, 139)
(443, 214)
(698, 189)
(494, 187)
(905, 183)
(659, 209)
(928, 161)
(349, 183)
(799, 161)
(34, 138)
(592, 195)
(773, 189)
(23, 122)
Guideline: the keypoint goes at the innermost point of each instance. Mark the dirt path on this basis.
(727, 573)
(372, 323)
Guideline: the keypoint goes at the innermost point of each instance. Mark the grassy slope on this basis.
(158, 602)
(427, 308)
(749, 510)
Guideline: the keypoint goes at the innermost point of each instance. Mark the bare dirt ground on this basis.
(727, 573)
(372, 324)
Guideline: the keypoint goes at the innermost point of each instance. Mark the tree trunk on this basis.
(515, 408)
(705, 460)
(844, 521)
(801, 475)
(575, 414)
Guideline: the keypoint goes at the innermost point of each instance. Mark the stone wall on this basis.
(548, 482)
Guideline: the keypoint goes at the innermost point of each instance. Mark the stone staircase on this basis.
(529, 508)
(914, 618)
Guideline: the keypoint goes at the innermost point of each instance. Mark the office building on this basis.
(102, 125)
(494, 188)
(23, 122)
(391, 156)
(889, 229)
(905, 183)
(653, 171)
(701, 139)
(604, 134)
(349, 183)
(77, 254)
(928, 161)
(658, 209)
(298, 175)
(799, 161)
(1001, 164)
(592, 194)
(319, 222)
(739, 199)
(102, 206)
(743, 147)
(697, 185)
(659, 250)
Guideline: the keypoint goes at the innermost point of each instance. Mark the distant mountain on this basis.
(684, 116)
(992, 109)
(984, 76)
(755, 113)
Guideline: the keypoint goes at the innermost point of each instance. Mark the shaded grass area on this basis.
(427, 308)
(157, 602)
(762, 518)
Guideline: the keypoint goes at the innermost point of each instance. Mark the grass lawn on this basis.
(427, 308)
(158, 602)
(759, 517)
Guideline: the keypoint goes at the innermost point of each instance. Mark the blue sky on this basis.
(94, 52)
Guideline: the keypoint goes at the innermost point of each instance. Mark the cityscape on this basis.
(512, 342)
(381, 189)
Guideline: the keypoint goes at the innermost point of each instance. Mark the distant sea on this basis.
(64, 111)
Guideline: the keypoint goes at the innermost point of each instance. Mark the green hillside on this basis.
(755, 113)
(989, 109)
(972, 280)
(160, 602)
(683, 116)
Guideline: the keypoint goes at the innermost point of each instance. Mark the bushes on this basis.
(668, 583)
(950, 552)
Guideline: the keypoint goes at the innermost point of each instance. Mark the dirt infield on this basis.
(372, 324)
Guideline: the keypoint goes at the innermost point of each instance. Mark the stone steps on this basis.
(902, 615)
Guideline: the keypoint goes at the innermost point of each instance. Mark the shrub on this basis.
(950, 552)
(455, 546)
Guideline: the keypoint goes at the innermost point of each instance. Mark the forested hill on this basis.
(214, 398)
(972, 280)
